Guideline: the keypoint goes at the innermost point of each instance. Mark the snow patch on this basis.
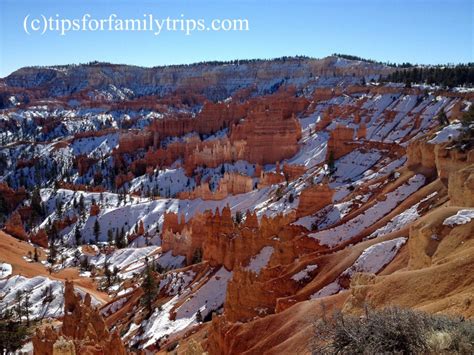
(461, 217)
(5, 270)
(305, 273)
(259, 261)
(447, 134)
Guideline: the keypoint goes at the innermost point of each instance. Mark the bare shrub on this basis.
(393, 330)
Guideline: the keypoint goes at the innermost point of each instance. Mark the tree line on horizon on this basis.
(448, 76)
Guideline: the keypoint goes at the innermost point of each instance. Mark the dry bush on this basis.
(394, 331)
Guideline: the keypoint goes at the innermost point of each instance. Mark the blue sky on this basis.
(418, 31)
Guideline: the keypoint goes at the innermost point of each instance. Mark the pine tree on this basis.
(197, 256)
(52, 253)
(149, 286)
(238, 217)
(59, 208)
(27, 306)
(19, 305)
(96, 230)
(77, 235)
(442, 118)
(331, 163)
(110, 236)
(107, 273)
(199, 316)
(36, 202)
(82, 208)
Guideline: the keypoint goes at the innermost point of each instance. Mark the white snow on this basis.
(327, 290)
(372, 260)
(401, 220)
(5, 270)
(259, 261)
(175, 282)
(37, 289)
(447, 134)
(461, 217)
(95, 147)
(305, 273)
(207, 298)
(351, 228)
(123, 259)
(375, 257)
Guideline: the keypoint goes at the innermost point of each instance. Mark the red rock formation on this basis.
(122, 179)
(451, 160)
(270, 134)
(216, 153)
(293, 172)
(362, 131)
(262, 130)
(11, 197)
(338, 141)
(222, 240)
(181, 238)
(95, 210)
(132, 141)
(461, 187)
(172, 223)
(313, 198)
(230, 184)
(80, 187)
(324, 94)
(83, 329)
(40, 238)
(270, 178)
(325, 119)
(14, 226)
(84, 163)
(213, 117)
(421, 153)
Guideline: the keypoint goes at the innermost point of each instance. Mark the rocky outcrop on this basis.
(461, 187)
(83, 164)
(14, 226)
(421, 153)
(260, 130)
(270, 134)
(338, 139)
(40, 238)
(131, 142)
(11, 197)
(440, 160)
(230, 244)
(83, 331)
(449, 160)
(313, 198)
(94, 210)
(293, 172)
(221, 239)
(230, 184)
(289, 173)
(215, 153)
(183, 238)
(271, 178)
(212, 118)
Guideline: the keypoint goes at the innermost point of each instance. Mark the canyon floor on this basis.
(226, 208)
